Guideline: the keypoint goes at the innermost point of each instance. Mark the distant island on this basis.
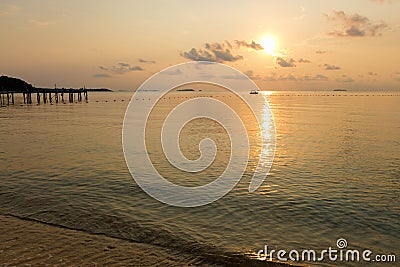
(14, 84)
(339, 90)
(8, 84)
(185, 90)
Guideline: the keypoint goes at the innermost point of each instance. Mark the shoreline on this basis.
(30, 242)
(25, 241)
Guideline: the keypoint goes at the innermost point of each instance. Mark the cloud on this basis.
(317, 77)
(320, 52)
(285, 63)
(234, 77)
(291, 78)
(198, 55)
(249, 73)
(354, 25)
(216, 52)
(288, 77)
(122, 68)
(220, 52)
(141, 60)
(252, 45)
(136, 68)
(331, 67)
(101, 75)
(345, 79)
(225, 55)
(302, 60)
(382, 1)
(173, 72)
(9, 9)
(303, 14)
(398, 78)
(39, 23)
(274, 78)
(252, 75)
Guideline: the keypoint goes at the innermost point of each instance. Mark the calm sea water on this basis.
(335, 175)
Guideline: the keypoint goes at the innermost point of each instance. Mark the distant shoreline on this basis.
(16, 85)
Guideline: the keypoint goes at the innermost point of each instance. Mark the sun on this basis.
(269, 44)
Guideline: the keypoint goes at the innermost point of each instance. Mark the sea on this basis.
(335, 177)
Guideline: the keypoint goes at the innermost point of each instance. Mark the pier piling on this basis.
(49, 95)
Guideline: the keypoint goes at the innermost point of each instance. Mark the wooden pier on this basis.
(45, 95)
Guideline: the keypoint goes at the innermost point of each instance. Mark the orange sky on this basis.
(285, 45)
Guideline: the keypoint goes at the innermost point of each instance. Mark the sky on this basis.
(281, 45)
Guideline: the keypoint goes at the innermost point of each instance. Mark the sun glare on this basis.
(269, 44)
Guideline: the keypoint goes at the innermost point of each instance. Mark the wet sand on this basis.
(29, 243)
(25, 242)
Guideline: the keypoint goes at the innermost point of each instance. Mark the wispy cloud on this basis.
(317, 77)
(382, 1)
(9, 9)
(345, 79)
(253, 45)
(331, 67)
(354, 25)
(252, 75)
(398, 76)
(101, 75)
(302, 15)
(141, 60)
(39, 23)
(121, 68)
(286, 63)
(303, 60)
(234, 77)
(173, 72)
(136, 68)
(291, 78)
(274, 78)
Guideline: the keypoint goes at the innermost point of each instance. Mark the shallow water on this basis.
(335, 175)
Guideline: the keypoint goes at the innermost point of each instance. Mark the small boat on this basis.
(254, 92)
